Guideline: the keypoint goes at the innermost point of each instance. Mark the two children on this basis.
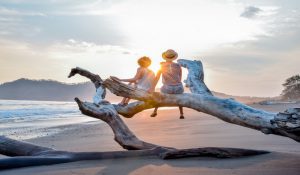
(171, 77)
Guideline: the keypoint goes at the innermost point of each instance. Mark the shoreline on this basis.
(197, 130)
(42, 128)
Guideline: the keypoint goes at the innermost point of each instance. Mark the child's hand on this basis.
(150, 90)
(115, 78)
(132, 83)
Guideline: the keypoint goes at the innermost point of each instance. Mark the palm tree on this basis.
(291, 88)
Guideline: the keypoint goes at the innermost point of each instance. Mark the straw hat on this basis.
(144, 61)
(170, 55)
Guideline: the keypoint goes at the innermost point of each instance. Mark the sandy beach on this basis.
(197, 130)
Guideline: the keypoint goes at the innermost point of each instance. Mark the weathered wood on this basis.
(202, 100)
(210, 152)
(107, 113)
(288, 123)
(195, 78)
(95, 79)
(38, 155)
(26, 154)
(227, 110)
(10, 147)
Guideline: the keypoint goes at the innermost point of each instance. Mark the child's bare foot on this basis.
(154, 114)
(121, 104)
(181, 117)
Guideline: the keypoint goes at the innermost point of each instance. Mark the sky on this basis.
(247, 47)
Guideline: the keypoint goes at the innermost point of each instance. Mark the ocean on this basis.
(21, 119)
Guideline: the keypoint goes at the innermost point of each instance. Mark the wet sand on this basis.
(197, 130)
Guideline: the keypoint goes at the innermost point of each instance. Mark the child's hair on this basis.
(144, 61)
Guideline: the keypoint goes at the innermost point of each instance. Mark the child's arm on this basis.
(180, 73)
(137, 76)
(158, 74)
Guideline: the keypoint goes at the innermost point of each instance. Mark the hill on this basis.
(50, 90)
(47, 90)
(243, 99)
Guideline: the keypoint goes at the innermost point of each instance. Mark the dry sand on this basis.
(197, 130)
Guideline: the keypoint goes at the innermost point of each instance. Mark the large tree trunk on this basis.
(285, 123)
(26, 154)
(201, 99)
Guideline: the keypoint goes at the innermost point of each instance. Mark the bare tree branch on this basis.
(33, 155)
(107, 113)
(195, 78)
(202, 100)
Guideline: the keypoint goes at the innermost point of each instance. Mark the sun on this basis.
(155, 67)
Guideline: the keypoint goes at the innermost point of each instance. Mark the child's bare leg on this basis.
(123, 101)
(181, 112)
(126, 101)
(154, 113)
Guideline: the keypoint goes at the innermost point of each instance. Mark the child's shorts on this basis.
(172, 89)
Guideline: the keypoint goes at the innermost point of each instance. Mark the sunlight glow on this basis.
(152, 28)
(236, 40)
(155, 67)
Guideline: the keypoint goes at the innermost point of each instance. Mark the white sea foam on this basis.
(29, 119)
(33, 110)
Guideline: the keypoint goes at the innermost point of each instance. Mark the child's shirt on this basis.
(147, 79)
(171, 73)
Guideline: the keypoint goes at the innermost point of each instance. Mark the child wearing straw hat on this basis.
(143, 78)
(171, 77)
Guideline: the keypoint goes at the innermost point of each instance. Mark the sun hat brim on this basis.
(169, 56)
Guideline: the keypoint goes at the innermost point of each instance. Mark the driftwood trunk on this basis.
(201, 99)
(285, 123)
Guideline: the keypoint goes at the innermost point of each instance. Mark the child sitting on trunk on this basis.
(143, 78)
(171, 77)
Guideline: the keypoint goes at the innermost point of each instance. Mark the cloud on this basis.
(247, 57)
(20, 59)
(75, 46)
(61, 7)
(250, 72)
(12, 12)
(92, 8)
(250, 12)
(256, 67)
(45, 22)
(51, 28)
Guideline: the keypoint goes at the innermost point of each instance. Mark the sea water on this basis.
(29, 119)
